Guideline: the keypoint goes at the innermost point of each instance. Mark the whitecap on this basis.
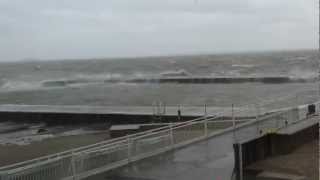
(180, 72)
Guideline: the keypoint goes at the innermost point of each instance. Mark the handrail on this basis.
(132, 136)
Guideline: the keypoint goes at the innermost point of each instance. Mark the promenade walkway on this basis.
(196, 149)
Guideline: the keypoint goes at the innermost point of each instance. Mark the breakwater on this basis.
(182, 80)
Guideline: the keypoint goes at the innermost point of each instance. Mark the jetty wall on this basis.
(87, 118)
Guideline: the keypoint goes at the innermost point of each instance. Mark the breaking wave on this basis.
(19, 85)
(179, 76)
(111, 78)
(178, 73)
(298, 73)
(82, 79)
(243, 65)
(2, 82)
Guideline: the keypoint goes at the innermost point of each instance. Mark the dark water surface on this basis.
(72, 82)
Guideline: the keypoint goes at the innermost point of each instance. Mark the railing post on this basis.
(233, 124)
(319, 147)
(205, 109)
(240, 162)
(179, 114)
(233, 117)
(73, 167)
(160, 111)
(171, 136)
(158, 108)
(129, 141)
(257, 117)
(82, 162)
(205, 121)
(154, 108)
(257, 111)
(4, 176)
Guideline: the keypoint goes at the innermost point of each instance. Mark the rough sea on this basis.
(89, 81)
(103, 82)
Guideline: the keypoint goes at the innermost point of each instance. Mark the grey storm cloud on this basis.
(47, 29)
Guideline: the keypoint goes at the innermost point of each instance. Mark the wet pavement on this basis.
(207, 160)
(129, 110)
(211, 159)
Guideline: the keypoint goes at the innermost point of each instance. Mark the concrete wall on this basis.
(284, 144)
(68, 118)
(275, 144)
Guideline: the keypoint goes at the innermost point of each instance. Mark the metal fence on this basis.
(89, 160)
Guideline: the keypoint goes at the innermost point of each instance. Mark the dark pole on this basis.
(319, 49)
(319, 81)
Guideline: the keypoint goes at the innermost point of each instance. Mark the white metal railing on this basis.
(89, 160)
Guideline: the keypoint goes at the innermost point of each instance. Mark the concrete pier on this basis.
(87, 114)
(106, 114)
(187, 151)
(217, 157)
(184, 80)
(212, 80)
(280, 143)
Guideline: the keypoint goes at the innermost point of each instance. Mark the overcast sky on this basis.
(57, 29)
